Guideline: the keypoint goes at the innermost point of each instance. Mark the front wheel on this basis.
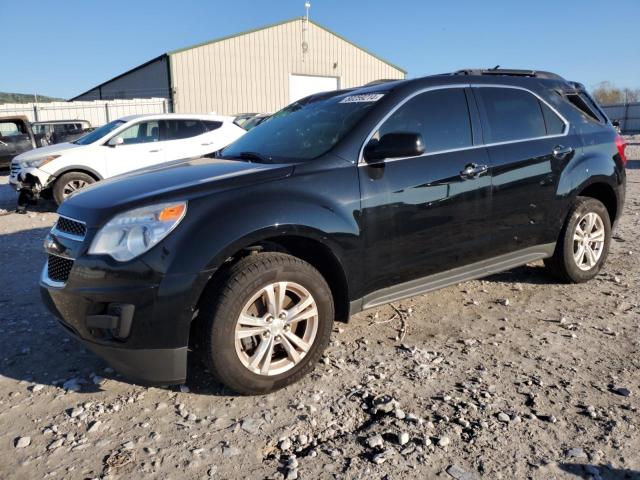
(583, 244)
(70, 183)
(267, 323)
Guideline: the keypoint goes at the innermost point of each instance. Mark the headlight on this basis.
(132, 233)
(38, 162)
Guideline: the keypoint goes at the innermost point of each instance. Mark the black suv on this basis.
(339, 203)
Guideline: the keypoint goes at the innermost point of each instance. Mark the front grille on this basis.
(15, 169)
(72, 227)
(59, 268)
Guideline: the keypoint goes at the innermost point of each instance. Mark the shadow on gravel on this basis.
(633, 164)
(9, 199)
(604, 472)
(534, 275)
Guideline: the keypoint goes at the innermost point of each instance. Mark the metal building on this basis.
(260, 70)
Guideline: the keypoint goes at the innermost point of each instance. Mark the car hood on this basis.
(57, 149)
(180, 179)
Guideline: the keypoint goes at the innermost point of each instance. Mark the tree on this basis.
(606, 93)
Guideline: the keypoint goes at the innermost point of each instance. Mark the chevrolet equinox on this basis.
(340, 202)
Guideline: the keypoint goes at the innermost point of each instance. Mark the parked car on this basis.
(339, 203)
(60, 131)
(255, 121)
(240, 118)
(121, 146)
(16, 136)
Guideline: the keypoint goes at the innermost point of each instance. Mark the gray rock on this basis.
(213, 469)
(375, 441)
(403, 438)
(503, 417)
(22, 442)
(72, 385)
(379, 458)
(444, 441)
(285, 444)
(292, 474)
(250, 425)
(458, 473)
(576, 452)
(76, 412)
(94, 426)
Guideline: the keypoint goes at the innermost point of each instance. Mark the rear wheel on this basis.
(267, 323)
(584, 242)
(70, 183)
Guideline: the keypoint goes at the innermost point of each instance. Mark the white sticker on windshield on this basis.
(366, 97)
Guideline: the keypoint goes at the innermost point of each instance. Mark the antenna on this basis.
(305, 28)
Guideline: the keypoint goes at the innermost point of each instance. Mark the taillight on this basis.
(621, 144)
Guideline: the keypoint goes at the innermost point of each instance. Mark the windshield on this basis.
(302, 131)
(98, 133)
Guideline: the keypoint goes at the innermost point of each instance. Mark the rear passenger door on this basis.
(422, 215)
(186, 138)
(522, 132)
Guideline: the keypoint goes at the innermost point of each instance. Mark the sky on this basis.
(65, 47)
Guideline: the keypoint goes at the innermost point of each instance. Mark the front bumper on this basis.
(152, 348)
(29, 178)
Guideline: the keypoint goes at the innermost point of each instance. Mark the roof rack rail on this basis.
(509, 72)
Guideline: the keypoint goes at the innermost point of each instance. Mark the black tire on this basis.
(60, 184)
(224, 301)
(562, 263)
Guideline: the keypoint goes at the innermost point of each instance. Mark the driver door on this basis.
(423, 215)
(143, 145)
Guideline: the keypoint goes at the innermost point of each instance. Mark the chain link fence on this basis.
(96, 112)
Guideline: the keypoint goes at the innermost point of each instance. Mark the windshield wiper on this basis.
(253, 156)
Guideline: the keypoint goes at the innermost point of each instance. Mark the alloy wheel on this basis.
(588, 241)
(72, 186)
(276, 328)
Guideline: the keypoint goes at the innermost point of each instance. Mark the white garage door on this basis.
(301, 86)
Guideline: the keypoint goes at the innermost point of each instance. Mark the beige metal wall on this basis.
(250, 72)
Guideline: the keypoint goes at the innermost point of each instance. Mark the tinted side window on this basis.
(555, 125)
(512, 114)
(585, 105)
(144, 132)
(211, 125)
(181, 129)
(440, 116)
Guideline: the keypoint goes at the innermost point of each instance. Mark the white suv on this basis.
(127, 144)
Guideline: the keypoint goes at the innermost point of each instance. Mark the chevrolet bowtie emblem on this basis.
(52, 245)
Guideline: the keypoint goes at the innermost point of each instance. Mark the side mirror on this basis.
(115, 141)
(394, 145)
(615, 123)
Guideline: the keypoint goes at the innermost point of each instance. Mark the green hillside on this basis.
(6, 97)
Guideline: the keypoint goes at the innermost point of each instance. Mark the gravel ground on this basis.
(515, 376)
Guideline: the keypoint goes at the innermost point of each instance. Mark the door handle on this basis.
(560, 152)
(473, 170)
(155, 151)
(206, 144)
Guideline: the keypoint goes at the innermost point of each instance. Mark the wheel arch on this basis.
(605, 193)
(301, 243)
(77, 168)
